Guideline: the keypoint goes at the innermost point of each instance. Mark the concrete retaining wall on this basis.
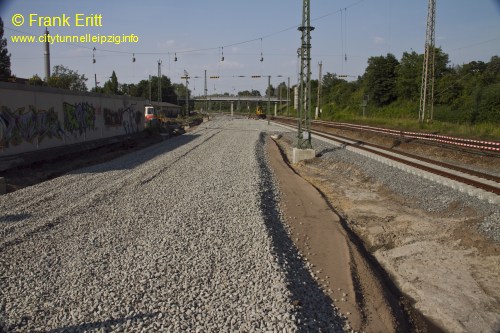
(34, 118)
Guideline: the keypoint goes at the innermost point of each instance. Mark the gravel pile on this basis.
(185, 236)
(416, 191)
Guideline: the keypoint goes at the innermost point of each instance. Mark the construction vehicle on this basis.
(259, 112)
(153, 114)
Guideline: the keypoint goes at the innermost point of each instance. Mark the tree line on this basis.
(468, 93)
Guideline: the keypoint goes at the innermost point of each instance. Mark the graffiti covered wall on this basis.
(34, 118)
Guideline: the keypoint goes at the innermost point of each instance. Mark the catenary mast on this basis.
(426, 110)
(304, 116)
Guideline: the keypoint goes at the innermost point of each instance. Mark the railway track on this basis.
(482, 185)
(480, 145)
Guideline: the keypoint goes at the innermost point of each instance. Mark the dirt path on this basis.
(350, 281)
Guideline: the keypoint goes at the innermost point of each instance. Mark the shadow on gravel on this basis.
(136, 158)
(313, 309)
(101, 325)
(328, 150)
(14, 217)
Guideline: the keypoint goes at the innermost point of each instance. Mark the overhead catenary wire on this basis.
(294, 27)
(101, 52)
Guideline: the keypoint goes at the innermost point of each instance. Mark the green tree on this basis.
(35, 80)
(129, 89)
(270, 91)
(168, 94)
(441, 61)
(330, 81)
(244, 93)
(4, 55)
(180, 91)
(249, 93)
(111, 86)
(448, 88)
(491, 75)
(409, 76)
(380, 79)
(65, 78)
(281, 90)
(255, 93)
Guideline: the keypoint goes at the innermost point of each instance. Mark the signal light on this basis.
(214, 77)
(255, 76)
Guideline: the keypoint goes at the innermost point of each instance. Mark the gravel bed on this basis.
(415, 191)
(184, 236)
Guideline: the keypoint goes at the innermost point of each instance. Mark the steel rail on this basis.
(473, 178)
(492, 146)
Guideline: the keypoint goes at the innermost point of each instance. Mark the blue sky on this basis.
(198, 29)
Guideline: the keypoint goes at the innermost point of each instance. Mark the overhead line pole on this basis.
(159, 81)
(318, 106)
(304, 120)
(268, 98)
(288, 98)
(427, 88)
(187, 94)
(206, 91)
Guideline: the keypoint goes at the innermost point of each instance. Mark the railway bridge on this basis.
(242, 103)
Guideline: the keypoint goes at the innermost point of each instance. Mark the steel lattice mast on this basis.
(427, 88)
(304, 116)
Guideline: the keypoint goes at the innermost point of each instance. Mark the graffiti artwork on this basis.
(79, 118)
(126, 117)
(29, 125)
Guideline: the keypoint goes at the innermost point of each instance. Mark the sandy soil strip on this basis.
(347, 278)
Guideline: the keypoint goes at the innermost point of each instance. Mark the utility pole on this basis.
(206, 91)
(268, 98)
(159, 81)
(288, 98)
(427, 89)
(47, 56)
(150, 97)
(318, 105)
(187, 93)
(304, 119)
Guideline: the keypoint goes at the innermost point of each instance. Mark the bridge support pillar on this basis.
(232, 109)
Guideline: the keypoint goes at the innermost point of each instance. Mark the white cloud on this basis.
(166, 45)
(379, 40)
